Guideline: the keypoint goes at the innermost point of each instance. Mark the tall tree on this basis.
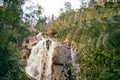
(92, 3)
(83, 3)
(11, 30)
(68, 6)
(32, 14)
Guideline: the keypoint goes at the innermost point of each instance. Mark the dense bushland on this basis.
(12, 32)
(95, 32)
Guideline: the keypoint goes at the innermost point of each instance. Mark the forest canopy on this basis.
(93, 29)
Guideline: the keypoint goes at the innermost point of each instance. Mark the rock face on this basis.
(31, 41)
(49, 59)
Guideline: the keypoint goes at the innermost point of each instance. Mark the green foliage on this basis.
(12, 31)
(33, 15)
(98, 47)
(67, 6)
(109, 4)
(96, 32)
(85, 14)
(9, 64)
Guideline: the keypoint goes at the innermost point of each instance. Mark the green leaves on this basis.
(12, 31)
(96, 32)
(98, 47)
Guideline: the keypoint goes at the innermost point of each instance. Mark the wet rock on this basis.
(57, 72)
(60, 59)
(61, 62)
(48, 42)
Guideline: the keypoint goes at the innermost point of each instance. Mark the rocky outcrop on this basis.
(61, 62)
(49, 59)
(27, 46)
(30, 41)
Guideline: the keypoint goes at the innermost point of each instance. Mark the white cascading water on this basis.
(34, 63)
(73, 55)
(39, 63)
(48, 70)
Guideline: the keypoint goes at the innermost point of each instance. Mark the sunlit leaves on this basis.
(98, 47)
(95, 32)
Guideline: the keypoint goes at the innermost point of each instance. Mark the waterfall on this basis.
(48, 70)
(73, 55)
(35, 61)
(43, 54)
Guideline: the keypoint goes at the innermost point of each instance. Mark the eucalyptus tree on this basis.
(33, 15)
(67, 6)
(92, 3)
(11, 30)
